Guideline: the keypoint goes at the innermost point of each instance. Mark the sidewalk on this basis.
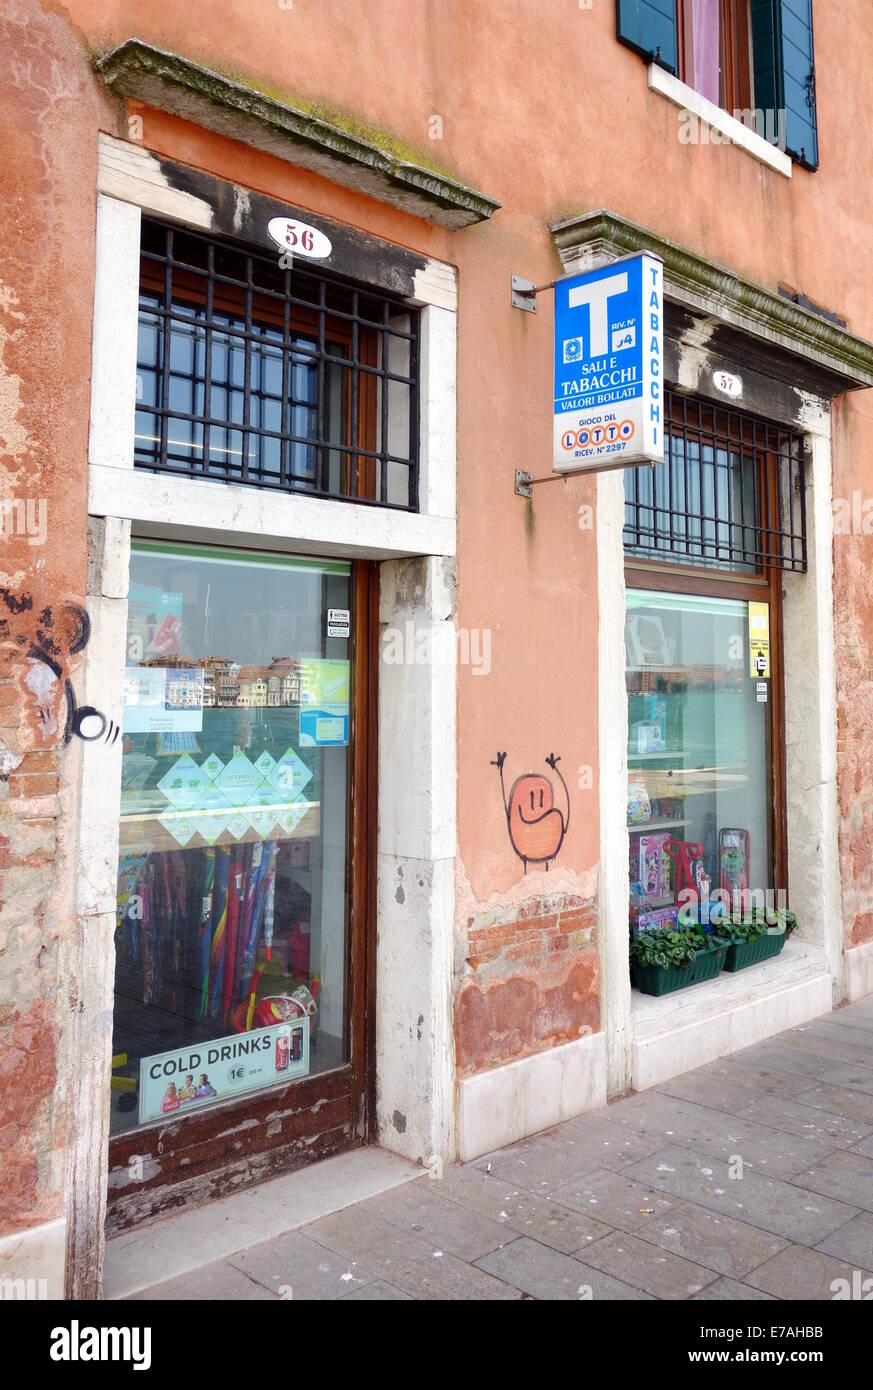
(750, 1178)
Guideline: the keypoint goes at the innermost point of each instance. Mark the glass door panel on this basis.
(232, 922)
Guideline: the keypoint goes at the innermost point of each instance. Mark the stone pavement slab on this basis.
(415, 1266)
(218, 1282)
(840, 1100)
(748, 1179)
(852, 1074)
(797, 1117)
(730, 1291)
(800, 1273)
(543, 1273)
(697, 1126)
(551, 1159)
(846, 1176)
(745, 1069)
(527, 1214)
(378, 1292)
(759, 1201)
(715, 1092)
(711, 1239)
(827, 1046)
(852, 1242)
(615, 1199)
(444, 1224)
(648, 1266)
(294, 1267)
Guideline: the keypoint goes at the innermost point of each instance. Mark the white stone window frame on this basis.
(416, 703)
(706, 113)
(655, 1039)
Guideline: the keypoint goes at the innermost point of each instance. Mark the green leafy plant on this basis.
(739, 929)
(775, 917)
(667, 948)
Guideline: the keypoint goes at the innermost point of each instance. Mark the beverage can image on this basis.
(297, 1044)
(283, 1052)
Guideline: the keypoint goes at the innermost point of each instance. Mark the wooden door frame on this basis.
(205, 1156)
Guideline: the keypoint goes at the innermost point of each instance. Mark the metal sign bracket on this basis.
(524, 293)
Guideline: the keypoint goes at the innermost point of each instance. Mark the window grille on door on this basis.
(275, 378)
(730, 493)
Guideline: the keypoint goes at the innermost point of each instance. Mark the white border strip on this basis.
(711, 115)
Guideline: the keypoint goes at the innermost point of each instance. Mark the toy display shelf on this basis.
(142, 830)
(679, 781)
(643, 827)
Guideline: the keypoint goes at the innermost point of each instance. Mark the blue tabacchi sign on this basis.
(609, 351)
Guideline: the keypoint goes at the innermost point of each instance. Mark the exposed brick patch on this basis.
(514, 1017)
(33, 784)
(27, 1081)
(862, 929)
(544, 933)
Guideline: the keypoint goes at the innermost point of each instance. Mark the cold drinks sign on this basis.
(609, 340)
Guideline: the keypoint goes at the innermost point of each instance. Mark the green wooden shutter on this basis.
(784, 65)
(798, 79)
(649, 27)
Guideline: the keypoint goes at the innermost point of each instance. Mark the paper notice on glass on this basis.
(759, 640)
(324, 703)
(178, 1083)
(161, 700)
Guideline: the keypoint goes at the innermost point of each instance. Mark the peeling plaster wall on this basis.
(415, 1099)
(51, 111)
(853, 608)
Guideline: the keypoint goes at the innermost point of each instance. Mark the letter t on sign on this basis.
(597, 295)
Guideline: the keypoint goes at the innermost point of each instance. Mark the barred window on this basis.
(286, 379)
(729, 494)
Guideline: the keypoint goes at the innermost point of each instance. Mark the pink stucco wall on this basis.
(541, 108)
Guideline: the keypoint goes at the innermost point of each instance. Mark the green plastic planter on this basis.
(655, 979)
(741, 954)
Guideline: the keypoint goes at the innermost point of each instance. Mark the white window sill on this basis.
(708, 114)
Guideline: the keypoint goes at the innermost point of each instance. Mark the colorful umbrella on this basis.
(204, 939)
(219, 928)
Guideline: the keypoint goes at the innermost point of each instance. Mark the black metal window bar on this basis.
(730, 493)
(275, 378)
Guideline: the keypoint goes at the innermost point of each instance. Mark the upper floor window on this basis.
(276, 378)
(754, 58)
(730, 493)
(715, 51)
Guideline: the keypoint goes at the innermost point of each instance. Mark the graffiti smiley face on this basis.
(536, 827)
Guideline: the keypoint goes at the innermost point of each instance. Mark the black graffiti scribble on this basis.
(52, 637)
(536, 826)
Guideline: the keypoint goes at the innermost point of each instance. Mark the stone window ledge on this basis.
(242, 112)
(706, 112)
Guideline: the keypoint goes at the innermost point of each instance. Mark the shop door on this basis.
(240, 1040)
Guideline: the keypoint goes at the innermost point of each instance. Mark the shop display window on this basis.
(699, 754)
(231, 939)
